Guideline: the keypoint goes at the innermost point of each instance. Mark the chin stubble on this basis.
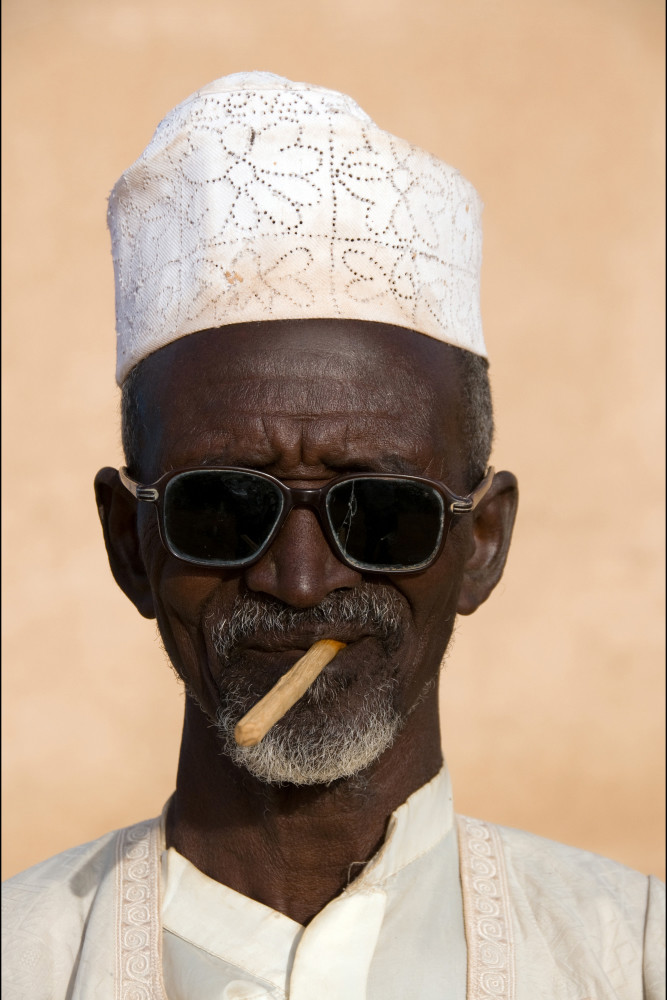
(343, 723)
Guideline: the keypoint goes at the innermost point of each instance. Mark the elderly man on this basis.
(307, 424)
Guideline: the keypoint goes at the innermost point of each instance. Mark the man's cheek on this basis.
(186, 648)
(184, 590)
(181, 597)
(433, 595)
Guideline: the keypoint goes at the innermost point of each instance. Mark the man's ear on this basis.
(493, 521)
(118, 513)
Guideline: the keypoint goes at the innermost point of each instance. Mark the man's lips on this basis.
(294, 641)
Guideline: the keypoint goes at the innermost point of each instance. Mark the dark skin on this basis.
(304, 401)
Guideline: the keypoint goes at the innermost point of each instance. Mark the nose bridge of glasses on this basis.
(305, 497)
(308, 499)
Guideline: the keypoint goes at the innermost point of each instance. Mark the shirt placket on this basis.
(334, 954)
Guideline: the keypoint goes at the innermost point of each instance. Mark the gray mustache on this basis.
(374, 609)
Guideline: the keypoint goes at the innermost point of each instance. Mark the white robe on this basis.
(449, 908)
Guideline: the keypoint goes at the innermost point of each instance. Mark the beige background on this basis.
(553, 697)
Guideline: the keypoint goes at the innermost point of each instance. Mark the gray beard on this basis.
(343, 723)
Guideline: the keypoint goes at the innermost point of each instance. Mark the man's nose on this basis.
(300, 568)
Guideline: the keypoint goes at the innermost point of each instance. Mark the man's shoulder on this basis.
(593, 921)
(537, 862)
(556, 881)
(76, 871)
(47, 907)
(530, 854)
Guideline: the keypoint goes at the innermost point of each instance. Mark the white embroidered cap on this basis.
(262, 199)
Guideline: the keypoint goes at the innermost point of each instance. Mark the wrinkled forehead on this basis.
(331, 372)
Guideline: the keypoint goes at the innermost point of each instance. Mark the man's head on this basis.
(366, 357)
(307, 401)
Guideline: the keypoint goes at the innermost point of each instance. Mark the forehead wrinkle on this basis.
(363, 433)
(312, 363)
(303, 399)
(273, 369)
(301, 443)
(308, 398)
(236, 409)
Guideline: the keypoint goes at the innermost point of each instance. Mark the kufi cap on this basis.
(262, 199)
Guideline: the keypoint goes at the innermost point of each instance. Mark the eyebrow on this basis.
(384, 463)
(391, 463)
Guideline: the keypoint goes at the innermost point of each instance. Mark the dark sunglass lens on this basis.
(385, 523)
(220, 517)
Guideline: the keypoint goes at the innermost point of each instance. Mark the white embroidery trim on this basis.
(488, 925)
(486, 913)
(138, 924)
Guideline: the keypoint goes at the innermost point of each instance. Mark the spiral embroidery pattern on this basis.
(138, 929)
(486, 912)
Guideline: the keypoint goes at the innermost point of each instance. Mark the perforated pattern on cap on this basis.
(262, 199)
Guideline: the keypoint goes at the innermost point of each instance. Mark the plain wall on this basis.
(553, 694)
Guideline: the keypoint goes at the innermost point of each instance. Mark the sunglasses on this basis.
(374, 522)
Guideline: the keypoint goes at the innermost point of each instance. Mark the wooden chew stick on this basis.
(256, 723)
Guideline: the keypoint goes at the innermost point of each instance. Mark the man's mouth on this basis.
(368, 619)
(299, 641)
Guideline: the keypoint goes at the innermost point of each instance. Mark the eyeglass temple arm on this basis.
(147, 493)
(480, 491)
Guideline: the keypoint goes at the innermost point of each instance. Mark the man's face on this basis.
(305, 402)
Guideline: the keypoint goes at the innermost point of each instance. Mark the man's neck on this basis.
(293, 848)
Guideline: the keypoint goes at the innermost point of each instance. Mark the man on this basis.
(307, 425)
